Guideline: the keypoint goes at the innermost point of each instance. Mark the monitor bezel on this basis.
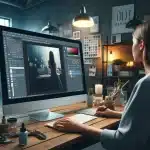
(5, 96)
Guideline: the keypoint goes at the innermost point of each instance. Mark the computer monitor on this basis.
(39, 72)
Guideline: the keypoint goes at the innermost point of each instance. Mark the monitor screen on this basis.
(39, 65)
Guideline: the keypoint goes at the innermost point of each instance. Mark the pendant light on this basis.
(132, 24)
(83, 20)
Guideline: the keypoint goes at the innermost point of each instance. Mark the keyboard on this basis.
(81, 118)
(89, 111)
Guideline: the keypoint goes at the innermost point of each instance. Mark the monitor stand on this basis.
(45, 115)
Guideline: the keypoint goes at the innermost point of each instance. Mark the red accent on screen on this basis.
(72, 51)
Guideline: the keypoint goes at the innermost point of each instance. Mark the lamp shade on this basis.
(83, 20)
(132, 24)
(49, 27)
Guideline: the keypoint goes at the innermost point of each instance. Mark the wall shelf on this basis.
(117, 44)
(109, 80)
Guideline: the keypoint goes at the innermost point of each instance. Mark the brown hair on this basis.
(142, 32)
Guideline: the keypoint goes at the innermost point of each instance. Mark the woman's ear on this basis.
(141, 45)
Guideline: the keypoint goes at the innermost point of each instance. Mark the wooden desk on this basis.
(55, 139)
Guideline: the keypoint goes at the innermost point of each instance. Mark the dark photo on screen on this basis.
(44, 69)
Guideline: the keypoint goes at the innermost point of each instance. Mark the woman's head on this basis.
(141, 43)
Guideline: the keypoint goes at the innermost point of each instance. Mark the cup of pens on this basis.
(109, 102)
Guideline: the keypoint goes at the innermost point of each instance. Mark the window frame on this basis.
(7, 18)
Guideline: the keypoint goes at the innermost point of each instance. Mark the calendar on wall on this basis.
(89, 61)
(91, 48)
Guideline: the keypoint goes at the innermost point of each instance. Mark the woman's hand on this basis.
(104, 111)
(68, 125)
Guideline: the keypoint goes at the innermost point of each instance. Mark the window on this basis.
(5, 21)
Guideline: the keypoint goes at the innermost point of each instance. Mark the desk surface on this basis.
(56, 139)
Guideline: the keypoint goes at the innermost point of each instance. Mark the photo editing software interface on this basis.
(38, 66)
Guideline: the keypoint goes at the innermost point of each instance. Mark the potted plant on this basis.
(90, 97)
(117, 63)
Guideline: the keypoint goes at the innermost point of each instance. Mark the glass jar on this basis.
(123, 98)
(12, 125)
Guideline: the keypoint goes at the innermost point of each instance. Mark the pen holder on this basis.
(90, 97)
(109, 103)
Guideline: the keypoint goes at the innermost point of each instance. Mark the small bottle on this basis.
(3, 120)
(23, 136)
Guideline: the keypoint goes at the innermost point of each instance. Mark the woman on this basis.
(134, 128)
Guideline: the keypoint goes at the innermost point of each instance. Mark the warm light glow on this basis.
(127, 64)
(83, 23)
(130, 64)
(111, 56)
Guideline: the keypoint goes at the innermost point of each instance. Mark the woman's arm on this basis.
(106, 112)
(116, 114)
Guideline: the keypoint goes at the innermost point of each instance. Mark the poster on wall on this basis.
(92, 70)
(95, 28)
(121, 15)
(116, 38)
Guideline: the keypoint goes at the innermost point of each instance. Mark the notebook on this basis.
(81, 118)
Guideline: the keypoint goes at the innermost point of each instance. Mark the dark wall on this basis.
(14, 13)
(63, 11)
(60, 12)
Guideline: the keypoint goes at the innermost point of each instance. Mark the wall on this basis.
(61, 12)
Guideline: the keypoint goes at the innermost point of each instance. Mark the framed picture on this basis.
(95, 28)
(92, 70)
(76, 35)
